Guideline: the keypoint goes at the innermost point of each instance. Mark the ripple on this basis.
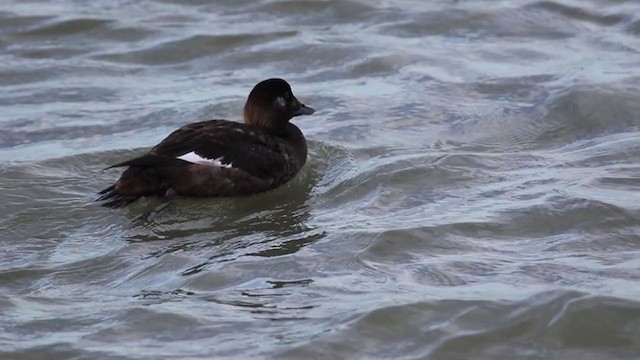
(59, 350)
(320, 13)
(12, 22)
(67, 27)
(459, 23)
(477, 328)
(579, 13)
(67, 94)
(570, 116)
(191, 48)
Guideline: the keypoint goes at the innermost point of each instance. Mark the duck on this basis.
(217, 158)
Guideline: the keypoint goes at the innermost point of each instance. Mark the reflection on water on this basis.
(471, 189)
(268, 224)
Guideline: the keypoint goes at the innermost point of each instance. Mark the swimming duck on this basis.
(221, 157)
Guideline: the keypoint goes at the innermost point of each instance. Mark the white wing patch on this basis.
(197, 159)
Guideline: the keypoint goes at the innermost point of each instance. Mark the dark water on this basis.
(472, 190)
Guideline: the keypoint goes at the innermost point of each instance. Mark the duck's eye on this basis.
(280, 102)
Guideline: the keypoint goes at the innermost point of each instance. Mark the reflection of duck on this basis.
(220, 157)
(273, 223)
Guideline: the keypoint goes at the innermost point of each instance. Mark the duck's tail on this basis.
(146, 175)
(114, 199)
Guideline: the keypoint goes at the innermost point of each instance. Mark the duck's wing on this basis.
(227, 144)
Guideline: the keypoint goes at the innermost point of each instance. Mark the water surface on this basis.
(471, 189)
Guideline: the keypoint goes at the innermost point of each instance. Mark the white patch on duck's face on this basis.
(280, 102)
(197, 159)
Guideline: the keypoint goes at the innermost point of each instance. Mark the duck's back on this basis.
(237, 146)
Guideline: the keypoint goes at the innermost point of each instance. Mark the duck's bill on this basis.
(304, 110)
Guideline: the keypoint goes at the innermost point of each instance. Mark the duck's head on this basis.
(271, 105)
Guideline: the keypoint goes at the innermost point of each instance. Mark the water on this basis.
(471, 189)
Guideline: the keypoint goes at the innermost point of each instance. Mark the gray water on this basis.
(471, 190)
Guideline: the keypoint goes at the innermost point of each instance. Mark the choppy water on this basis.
(471, 190)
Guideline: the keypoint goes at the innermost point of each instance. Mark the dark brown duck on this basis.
(221, 157)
